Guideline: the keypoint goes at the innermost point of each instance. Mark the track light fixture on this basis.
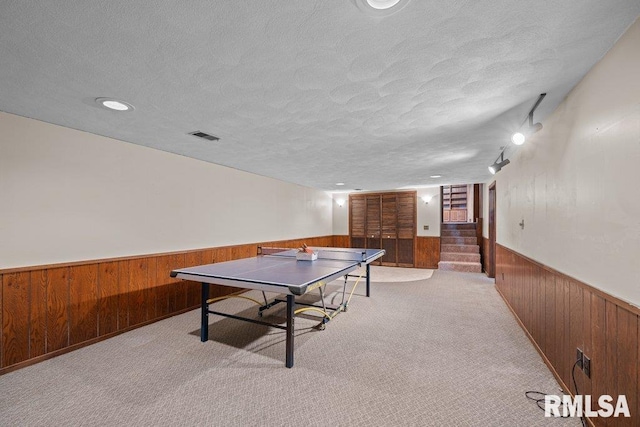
(518, 138)
(498, 164)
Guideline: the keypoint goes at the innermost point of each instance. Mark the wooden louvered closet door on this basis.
(387, 221)
(406, 228)
(373, 226)
(389, 229)
(357, 221)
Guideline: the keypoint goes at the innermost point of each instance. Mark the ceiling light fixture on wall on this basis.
(498, 164)
(380, 8)
(114, 104)
(340, 202)
(426, 199)
(518, 138)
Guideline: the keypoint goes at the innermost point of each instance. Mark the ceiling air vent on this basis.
(204, 135)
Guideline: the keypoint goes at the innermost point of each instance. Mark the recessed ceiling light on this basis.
(380, 8)
(382, 4)
(339, 183)
(114, 104)
(435, 176)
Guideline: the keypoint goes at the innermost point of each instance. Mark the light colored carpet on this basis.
(395, 274)
(438, 352)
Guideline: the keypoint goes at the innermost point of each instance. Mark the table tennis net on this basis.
(323, 253)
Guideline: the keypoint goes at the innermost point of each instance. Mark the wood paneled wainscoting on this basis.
(341, 241)
(427, 252)
(560, 314)
(486, 267)
(52, 309)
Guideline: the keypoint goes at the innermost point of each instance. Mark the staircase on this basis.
(459, 249)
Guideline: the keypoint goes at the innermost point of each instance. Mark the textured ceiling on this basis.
(310, 92)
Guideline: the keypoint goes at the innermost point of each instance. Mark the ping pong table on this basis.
(278, 270)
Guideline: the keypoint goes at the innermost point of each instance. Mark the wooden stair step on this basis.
(459, 240)
(460, 248)
(460, 256)
(458, 233)
(459, 226)
(467, 267)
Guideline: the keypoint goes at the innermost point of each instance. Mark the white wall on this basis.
(69, 196)
(485, 208)
(470, 206)
(341, 214)
(429, 214)
(576, 183)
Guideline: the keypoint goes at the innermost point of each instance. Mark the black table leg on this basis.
(368, 282)
(204, 315)
(291, 303)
